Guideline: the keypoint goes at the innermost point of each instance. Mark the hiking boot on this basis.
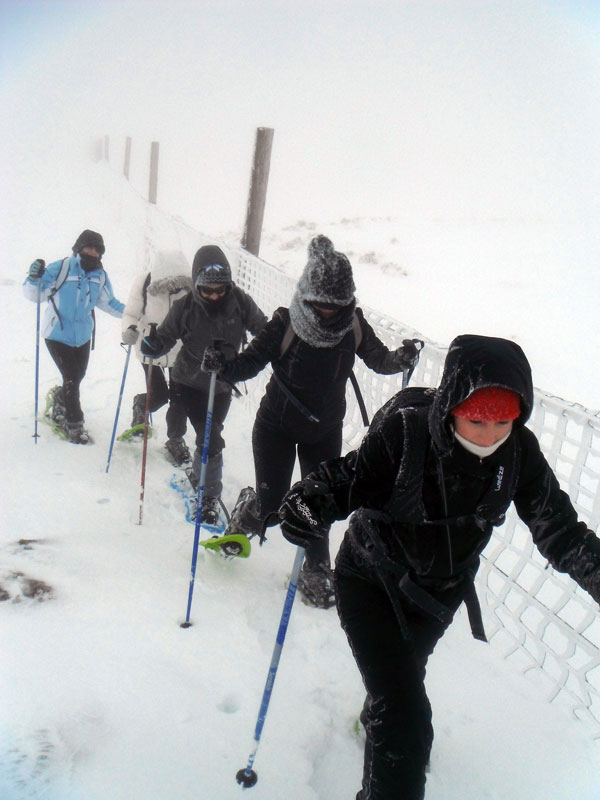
(57, 407)
(244, 517)
(316, 584)
(178, 450)
(139, 410)
(76, 433)
(192, 478)
(210, 510)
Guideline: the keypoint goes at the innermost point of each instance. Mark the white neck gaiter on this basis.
(478, 449)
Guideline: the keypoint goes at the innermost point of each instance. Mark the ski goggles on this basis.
(213, 291)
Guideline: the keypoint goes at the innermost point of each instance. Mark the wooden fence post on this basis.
(257, 195)
(152, 191)
(127, 160)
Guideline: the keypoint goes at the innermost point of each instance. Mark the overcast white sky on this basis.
(460, 108)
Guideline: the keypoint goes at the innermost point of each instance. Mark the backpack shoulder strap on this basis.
(288, 337)
(62, 276)
(147, 280)
(406, 502)
(357, 330)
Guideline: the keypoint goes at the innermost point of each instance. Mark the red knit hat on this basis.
(491, 404)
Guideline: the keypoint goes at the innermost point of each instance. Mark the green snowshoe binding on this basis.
(133, 434)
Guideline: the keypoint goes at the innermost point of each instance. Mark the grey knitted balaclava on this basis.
(327, 278)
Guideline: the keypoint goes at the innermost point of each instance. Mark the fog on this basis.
(455, 109)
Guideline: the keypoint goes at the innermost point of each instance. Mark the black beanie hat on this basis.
(210, 266)
(89, 239)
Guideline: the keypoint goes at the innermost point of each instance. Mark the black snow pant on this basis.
(72, 363)
(397, 712)
(161, 393)
(195, 402)
(274, 453)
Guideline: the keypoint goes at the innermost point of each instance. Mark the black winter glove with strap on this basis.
(213, 359)
(406, 357)
(305, 512)
(152, 345)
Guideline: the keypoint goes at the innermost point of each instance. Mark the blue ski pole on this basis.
(112, 441)
(202, 479)
(37, 360)
(248, 777)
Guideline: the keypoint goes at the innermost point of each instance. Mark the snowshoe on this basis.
(179, 452)
(230, 546)
(131, 434)
(316, 586)
(244, 517)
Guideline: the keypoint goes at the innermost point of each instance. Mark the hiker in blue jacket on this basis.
(73, 287)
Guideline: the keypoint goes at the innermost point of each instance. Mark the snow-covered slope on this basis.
(103, 694)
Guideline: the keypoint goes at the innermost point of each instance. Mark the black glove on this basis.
(152, 345)
(302, 511)
(37, 269)
(407, 356)
(130, 336)
(213, 360)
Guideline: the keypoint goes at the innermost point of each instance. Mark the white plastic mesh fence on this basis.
(537, 618)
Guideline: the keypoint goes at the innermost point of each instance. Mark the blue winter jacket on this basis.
(68, 317)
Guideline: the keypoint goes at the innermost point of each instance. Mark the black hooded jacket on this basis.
(198, 322)
(434, 503)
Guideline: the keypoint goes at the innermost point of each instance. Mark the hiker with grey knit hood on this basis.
(311, 347)
(151, 297)
(215, 309)
(73, 287)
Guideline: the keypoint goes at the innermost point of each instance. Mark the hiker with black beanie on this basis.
(214, 309)
(312, 347)
(74, 287)
(436, 471)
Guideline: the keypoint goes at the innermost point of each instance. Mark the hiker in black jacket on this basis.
(215, 309)
(312, 347)
(434, 473)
